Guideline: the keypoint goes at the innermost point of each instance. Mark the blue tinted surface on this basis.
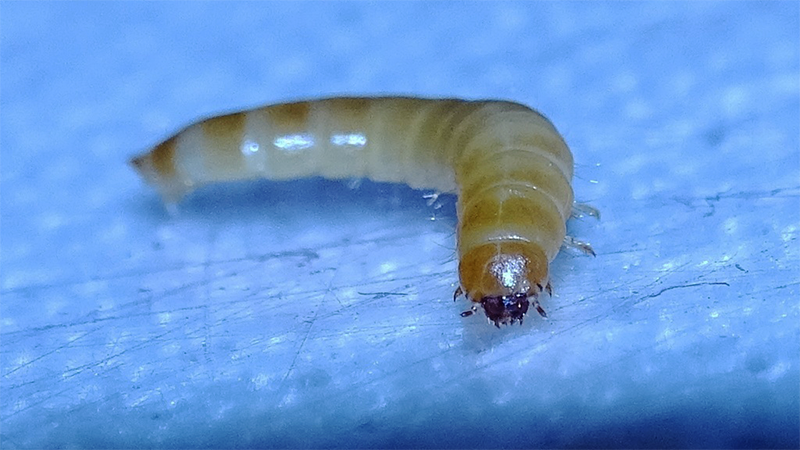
(312, 314)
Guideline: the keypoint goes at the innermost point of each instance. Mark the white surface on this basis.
(310, 314)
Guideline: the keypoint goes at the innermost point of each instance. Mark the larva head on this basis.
(503, 277)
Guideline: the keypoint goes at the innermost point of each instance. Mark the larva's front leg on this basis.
(579, 210)
(580, 246)
(585, 209)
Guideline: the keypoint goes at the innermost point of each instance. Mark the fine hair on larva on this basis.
(509, 167)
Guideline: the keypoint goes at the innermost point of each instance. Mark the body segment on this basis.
(507, 163)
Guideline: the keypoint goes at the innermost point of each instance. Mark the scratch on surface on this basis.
(378, 295)
(712, 200)
(74, 371)
(328, 291)
(681, 286)
(71, 343)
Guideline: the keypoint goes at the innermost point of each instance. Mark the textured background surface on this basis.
(310, 314)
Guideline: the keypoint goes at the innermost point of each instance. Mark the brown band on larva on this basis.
(158, 168)
(506, 210)
(290, 116)
(163, 158)
(225, 134)
(519, 166)
(508, 164)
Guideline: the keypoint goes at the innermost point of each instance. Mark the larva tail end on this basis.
(170, 189)
(504, 277)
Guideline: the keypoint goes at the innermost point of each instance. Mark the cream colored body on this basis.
(507, 163)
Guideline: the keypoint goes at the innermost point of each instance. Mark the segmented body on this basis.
(509, 166)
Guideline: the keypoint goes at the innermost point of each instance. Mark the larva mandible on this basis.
(509, 166)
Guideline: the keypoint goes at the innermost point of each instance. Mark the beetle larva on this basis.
(509, 166)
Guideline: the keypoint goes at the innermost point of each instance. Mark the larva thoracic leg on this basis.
(507, 163)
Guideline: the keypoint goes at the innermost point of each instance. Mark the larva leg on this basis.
(581, 246)
(458, 293)
(547, 287)
(539, 309)
(584, 209)
(579, 210)
(431, 198)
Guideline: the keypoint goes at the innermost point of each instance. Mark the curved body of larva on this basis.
(509, 166)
